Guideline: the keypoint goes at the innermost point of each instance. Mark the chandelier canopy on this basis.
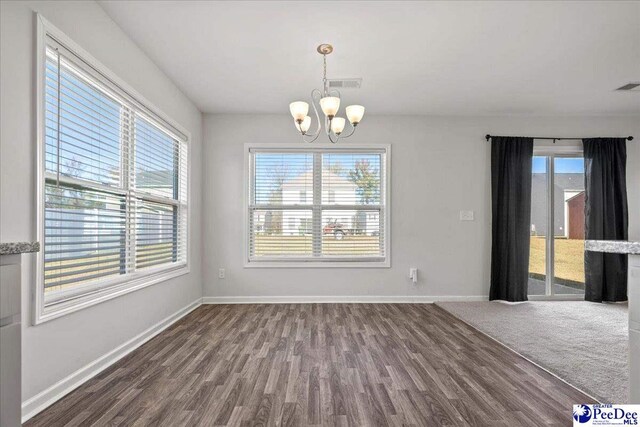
(329, 101)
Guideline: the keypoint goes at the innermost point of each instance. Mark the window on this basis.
(322, 205)
(113, 188)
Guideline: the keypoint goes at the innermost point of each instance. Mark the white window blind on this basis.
(115, 184)
(317, 205)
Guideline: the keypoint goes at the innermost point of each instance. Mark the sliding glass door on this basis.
(556, 260)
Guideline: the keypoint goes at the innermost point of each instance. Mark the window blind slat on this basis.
(78, 279)
(56, 266)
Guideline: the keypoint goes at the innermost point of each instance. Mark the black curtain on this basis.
(511, 216)
(606, 217)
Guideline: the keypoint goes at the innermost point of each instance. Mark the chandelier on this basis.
(329, 101)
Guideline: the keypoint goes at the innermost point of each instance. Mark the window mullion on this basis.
(317, 201)
(129, 177)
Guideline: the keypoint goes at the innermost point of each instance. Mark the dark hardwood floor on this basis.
(329, 364)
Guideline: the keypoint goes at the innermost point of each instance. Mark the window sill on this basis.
(317, 264)
(59, 309)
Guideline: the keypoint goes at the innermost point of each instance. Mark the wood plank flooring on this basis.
(318, 364)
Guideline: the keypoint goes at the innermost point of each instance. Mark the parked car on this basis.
(337, 229)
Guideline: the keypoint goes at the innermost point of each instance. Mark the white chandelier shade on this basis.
(299, 110)
(330, 105)
(337, 125)
(354, 113)
(329, 102)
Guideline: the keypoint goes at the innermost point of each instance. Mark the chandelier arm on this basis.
(316, 134)
(336, 93)
(331, 132)
(353, 130)
(313, 138)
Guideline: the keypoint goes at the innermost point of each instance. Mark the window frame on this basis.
(320, 262)
(89, 294)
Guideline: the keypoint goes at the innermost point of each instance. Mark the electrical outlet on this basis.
(466, 215)
(221, 273)
(413, 274)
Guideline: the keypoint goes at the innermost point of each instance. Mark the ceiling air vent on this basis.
(630, 86)
(345, 83)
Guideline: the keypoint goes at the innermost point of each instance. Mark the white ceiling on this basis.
(438, 58)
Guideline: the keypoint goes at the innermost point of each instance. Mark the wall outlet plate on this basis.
(221, 273)
(466, 216)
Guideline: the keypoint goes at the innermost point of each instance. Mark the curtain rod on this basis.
(629, 138)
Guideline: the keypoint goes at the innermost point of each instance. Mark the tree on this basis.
(336, 168)
(367, 181)
(277, 176)
(68, 197)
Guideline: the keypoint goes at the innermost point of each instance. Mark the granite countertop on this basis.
(613, 246)
(18, 247)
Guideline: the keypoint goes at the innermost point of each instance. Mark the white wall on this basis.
(440, 165)
(54, 350)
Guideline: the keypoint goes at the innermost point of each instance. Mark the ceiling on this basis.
(435, 58)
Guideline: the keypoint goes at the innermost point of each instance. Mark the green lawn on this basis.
(271, 245)
(58, 271)
(569, 263)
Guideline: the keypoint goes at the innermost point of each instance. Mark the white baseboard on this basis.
(369, 299)
(63, 387)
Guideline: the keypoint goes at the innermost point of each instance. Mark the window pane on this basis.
(281, 233)
(88, 137)
(156, 234)
(568, 209)
(157, 160)
(352, 233)
(539, 225)
(283, 178)
(351, 179)
(84, 236)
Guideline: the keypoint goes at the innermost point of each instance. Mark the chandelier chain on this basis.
(324, 77)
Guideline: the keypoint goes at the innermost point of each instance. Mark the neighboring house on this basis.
(155, 222)
(575, 215)
(567, 185)
(157, 182)
(336, 189)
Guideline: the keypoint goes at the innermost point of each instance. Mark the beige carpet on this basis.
(586, 344)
